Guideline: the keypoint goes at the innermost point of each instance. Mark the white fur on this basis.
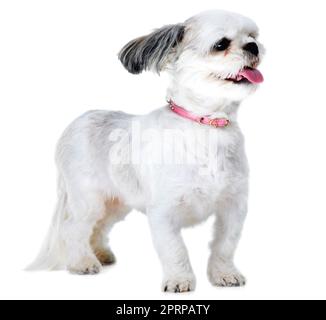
(110, 163)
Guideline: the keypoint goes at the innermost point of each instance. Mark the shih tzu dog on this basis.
(179, 164)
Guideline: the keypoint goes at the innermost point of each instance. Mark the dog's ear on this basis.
(152, 51)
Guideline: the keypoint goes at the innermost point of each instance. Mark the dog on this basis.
(179, 164)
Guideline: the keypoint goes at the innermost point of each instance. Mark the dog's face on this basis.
(214, 55)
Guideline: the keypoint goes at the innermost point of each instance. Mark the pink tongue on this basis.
(252, 75)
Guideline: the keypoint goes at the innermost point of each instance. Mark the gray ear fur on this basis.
(151, 51)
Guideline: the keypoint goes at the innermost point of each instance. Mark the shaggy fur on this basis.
(176, 171)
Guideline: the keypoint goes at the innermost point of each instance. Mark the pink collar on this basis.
(217, 122)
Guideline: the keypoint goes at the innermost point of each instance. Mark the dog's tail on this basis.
(51, 256)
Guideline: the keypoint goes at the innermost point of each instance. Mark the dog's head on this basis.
(213, 55)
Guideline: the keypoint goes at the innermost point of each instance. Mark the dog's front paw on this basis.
(230, 278)
(87, 266)
(179, 284)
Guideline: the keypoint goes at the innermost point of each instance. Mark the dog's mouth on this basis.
(247, 75)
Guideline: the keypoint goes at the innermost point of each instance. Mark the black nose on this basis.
(252, 48)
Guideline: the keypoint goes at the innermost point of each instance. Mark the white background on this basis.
(59, 59)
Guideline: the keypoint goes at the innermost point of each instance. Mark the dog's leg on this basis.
(227, 231)
(84, 210)
(99, 242)
(115, 211)
(178, 274)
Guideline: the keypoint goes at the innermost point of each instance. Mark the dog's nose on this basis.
(252, 48)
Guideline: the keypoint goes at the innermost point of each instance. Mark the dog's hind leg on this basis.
(84, 209)
(115, 211)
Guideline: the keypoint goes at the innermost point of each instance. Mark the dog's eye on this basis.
(222, 45)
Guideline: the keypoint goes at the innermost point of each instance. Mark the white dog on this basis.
(179, 164)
